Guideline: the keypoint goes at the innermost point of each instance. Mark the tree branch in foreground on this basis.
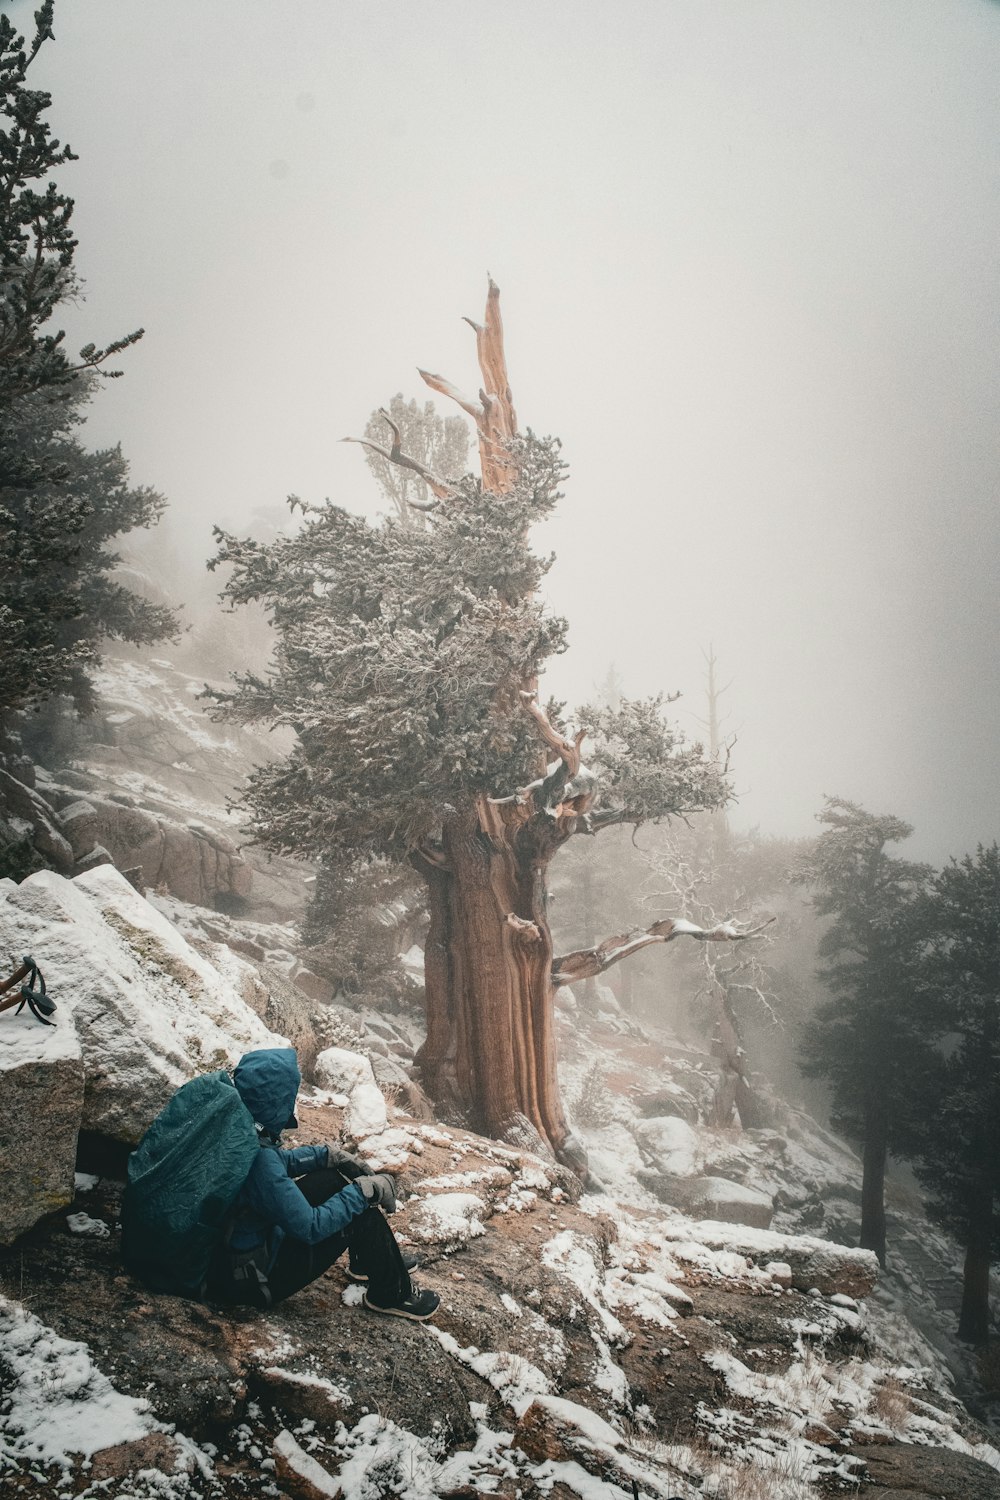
(587, 963)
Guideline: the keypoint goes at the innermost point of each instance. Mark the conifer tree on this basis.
(872, 1039)
(60, 507)
(959, 1120)
(408, 662)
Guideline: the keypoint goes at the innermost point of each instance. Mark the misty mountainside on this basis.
(694, 1326)
(143, 781)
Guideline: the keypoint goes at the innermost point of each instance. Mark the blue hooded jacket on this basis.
(269, 1204)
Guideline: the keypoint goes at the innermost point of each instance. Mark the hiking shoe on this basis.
(410, 1261)
(418, 1306)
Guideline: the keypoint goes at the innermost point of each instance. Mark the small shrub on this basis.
(593, 1105)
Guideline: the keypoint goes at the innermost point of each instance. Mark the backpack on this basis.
(183, 1179)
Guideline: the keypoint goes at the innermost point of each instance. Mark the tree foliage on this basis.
(400, 659)
(57, 563)
(872, 1040)
(60, 507)
(37, 244)
(957, 1134)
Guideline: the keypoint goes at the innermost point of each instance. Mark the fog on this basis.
(747, 256)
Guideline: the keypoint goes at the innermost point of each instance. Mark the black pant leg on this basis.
(372, 1244)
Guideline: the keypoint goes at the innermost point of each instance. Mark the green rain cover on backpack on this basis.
(183, 1179)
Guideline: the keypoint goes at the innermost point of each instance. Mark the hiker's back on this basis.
(183, 1179)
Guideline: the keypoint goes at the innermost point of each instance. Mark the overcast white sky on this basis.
(748, 261)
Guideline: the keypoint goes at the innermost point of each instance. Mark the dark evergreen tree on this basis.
(60, 507)
(872, 1039)
(37, 244)
(959, 1122)
(58, 593)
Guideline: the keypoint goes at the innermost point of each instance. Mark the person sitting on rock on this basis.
(300, 1209)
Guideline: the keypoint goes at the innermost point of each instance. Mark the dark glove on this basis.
(348, 1166)
(379, 1191)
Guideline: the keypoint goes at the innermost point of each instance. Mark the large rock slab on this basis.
(41, 1103)
(813, 1262)
(149, 1011)
(730, 1202)
(192, 861)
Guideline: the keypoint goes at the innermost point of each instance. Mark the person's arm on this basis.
(300, 1160)
(275, 1196)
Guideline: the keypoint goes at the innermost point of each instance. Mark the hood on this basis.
(268, 1081)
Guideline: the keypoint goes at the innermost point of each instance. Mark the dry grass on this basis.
(892, 1404)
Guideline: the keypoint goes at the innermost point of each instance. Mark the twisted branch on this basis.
(587, 963)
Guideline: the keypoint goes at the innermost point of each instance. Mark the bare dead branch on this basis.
(395, 455)
(587, 963)
(568, 751)
(445, 388)
(493, 414)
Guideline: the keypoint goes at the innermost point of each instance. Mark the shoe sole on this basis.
(399, 1312)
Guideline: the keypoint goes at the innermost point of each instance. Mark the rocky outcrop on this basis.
(41, 1105)
(139, 1011)
(730, 1202)
(26, 814)
(192, 861)
(577, 1341)
(812, 1263)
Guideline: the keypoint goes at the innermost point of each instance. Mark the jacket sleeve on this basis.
(272, 1194)
(302, 1159)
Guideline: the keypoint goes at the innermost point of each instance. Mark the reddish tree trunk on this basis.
(490, 1052)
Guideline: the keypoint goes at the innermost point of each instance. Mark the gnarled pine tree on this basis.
(407, 662)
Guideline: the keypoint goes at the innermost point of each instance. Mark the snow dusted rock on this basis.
(79, 824)
(27, 810)
(730, 1202)
(314, 986)
(447, 1219)
(366, 1114)
(553, 1429)
(812, 1262)
(671, 1099)
(149, 1011)
(41, 1088)
(300, 1474)
(350, 1073)
(342, 1071)
(672, 1142)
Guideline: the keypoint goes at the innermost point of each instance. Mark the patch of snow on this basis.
(335, 1394)
(571, 1254)
(84, 1224)
(305, 1467)
(514, 1378)
(57, 1404)
(448, 1218)
(673, 1142)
